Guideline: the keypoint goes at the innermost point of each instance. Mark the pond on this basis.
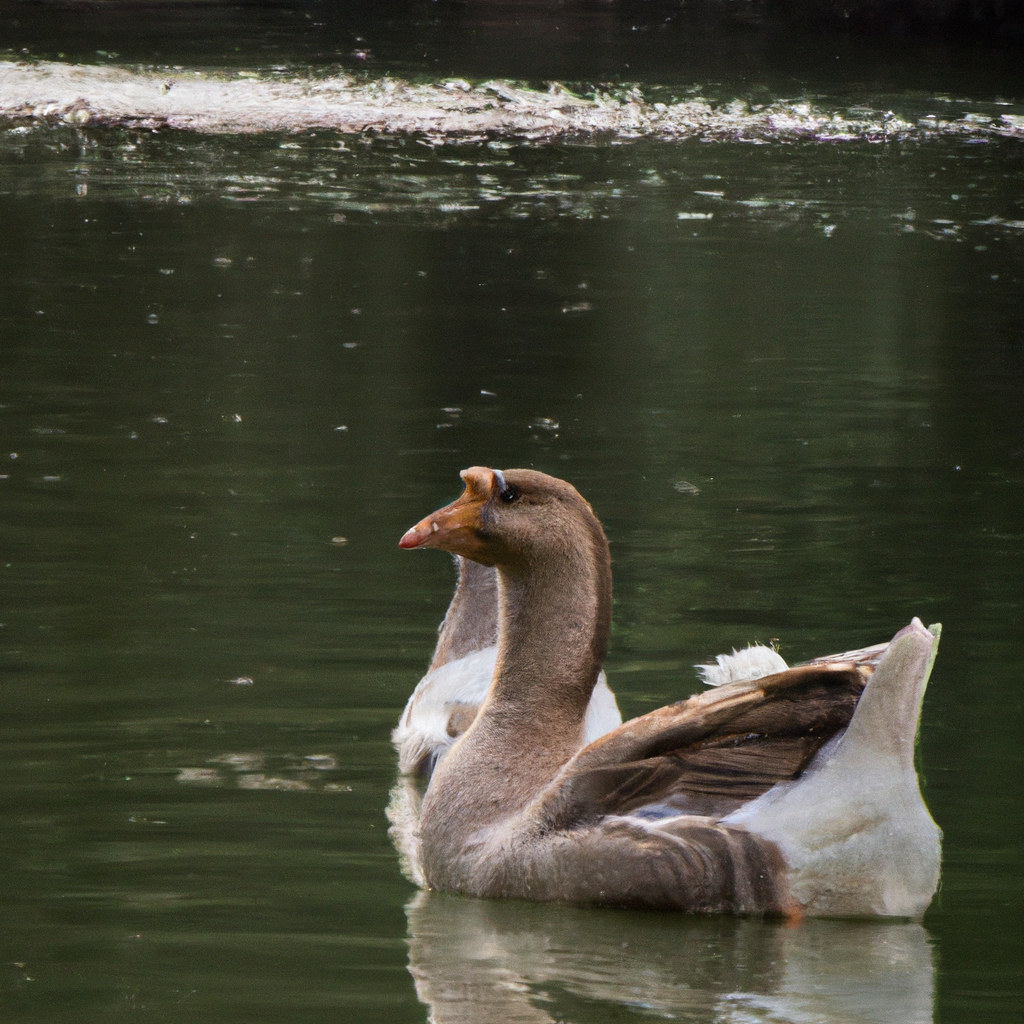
(772, 331)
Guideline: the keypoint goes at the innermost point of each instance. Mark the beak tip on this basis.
(418, 535)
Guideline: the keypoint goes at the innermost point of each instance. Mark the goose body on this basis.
(793, 793)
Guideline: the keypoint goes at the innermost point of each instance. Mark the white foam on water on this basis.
(54, 92)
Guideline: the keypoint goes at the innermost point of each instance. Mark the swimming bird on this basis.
(791, 794)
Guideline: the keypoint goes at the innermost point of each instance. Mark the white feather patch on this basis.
(753, 662)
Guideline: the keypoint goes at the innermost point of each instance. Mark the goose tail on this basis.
(889, 712)
(854, 829)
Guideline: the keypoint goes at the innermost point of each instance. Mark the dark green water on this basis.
(789, 378)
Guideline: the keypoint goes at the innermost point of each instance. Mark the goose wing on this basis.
(712, 753)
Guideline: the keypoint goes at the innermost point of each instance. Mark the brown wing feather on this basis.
(712, 753)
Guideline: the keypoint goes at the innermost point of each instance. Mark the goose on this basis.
(791, 794)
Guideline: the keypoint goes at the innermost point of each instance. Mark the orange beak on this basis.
(456, 527)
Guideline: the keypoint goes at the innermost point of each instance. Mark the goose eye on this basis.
(509, 494)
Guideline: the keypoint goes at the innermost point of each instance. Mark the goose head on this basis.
(510, 518)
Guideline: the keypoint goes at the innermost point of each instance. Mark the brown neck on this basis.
(471, 623)
(554, 620)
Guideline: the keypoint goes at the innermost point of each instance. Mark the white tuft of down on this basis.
(753, 662)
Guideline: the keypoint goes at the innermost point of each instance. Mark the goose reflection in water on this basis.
(482, 961)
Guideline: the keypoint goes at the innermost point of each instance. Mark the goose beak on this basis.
(456, 527)
(419, 535)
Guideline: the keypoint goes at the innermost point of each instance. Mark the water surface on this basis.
(235, 367)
